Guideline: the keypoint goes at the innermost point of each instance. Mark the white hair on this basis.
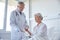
(38, 14)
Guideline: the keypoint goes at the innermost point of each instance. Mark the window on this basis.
(2, 8)
(10, 8)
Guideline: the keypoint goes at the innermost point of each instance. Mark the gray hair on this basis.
(20, 2)
(38, 14)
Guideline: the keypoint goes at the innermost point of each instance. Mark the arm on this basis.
(41, 33)
(26, 26)
(12, 20)
(28, 31)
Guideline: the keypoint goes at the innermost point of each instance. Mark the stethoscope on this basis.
(18, 14)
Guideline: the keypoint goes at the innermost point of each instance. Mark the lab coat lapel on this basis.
(17, 12)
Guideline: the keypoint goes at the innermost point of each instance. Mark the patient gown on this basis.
(39, 32)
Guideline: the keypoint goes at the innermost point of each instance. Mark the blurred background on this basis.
(50, 9)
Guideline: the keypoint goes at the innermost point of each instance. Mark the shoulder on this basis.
(44, 26)
(13, 12)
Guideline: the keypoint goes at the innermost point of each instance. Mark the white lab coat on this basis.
(18, 23)
(39, 32)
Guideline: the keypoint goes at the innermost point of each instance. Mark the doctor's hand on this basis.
(28, 31)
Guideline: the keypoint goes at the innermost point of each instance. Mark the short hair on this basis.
(20, 2)
(39, 14)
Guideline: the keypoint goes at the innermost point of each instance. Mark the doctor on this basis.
(40, 30)
(18, 22)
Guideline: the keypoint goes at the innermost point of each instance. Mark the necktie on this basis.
(20, 13)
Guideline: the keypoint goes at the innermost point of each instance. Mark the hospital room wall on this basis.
(50, 9)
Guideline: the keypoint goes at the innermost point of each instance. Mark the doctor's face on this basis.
(38, 19)
(20, 7)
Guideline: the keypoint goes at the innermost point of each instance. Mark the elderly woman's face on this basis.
(37, 19)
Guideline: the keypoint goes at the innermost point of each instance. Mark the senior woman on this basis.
(40, 30)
